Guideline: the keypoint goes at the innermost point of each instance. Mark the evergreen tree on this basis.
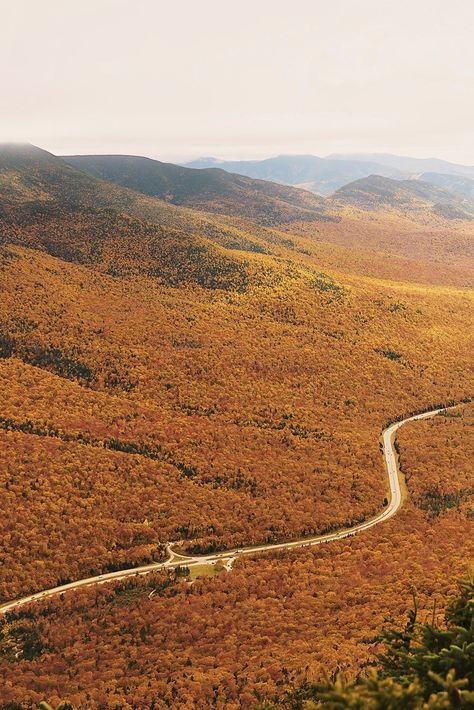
(422, 667)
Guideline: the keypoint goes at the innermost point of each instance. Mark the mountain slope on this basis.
(409, 197)
(210, 189)
(47, 204)
(319, 175)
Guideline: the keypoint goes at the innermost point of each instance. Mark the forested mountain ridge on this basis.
(409, 197)
(213, 189)
(275, 205)
(46, 204)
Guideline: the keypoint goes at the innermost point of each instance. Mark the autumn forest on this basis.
(209, 360)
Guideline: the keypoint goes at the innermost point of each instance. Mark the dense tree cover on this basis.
(424, 666)
(214, 382)
(416, 199)
(210, 190)
(238, 638)
(430, 252)
(230, 640)
(430, 479)
(122, 245)
(47, 204)
(261, 428)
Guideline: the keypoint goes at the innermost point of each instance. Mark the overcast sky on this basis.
(243, 79)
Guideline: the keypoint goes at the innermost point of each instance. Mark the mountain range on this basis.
(456, 183)
(310, 172)
(211, 189)
(45, 203)
(326, 175)
(272, 204)
(129, 224)
(408, 165)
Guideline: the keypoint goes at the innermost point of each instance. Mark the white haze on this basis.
(243, 79)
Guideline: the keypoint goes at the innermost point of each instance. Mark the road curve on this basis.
(176, 560)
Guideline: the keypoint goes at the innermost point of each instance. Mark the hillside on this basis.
(310, 172)
(408, 197)
(213, 190)
(277, 621)
(47, 204)
(128, 318)
(237, 365)
(155, 391)
(173, 375)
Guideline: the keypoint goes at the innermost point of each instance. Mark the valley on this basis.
(179, 560)
(211, 364)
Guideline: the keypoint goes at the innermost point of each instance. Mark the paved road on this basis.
(176, 560)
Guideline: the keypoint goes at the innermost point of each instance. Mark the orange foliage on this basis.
(227, 641)
(168, 375)
(255, 417)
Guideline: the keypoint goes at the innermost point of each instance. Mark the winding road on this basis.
(228, 556)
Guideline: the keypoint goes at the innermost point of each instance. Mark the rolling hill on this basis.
(211, 189)
(46, 203)
(408, 197)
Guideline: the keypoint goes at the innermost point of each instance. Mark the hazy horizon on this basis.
(218, 159)
(178, 83)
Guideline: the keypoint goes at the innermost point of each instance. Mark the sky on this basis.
(246, 79)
